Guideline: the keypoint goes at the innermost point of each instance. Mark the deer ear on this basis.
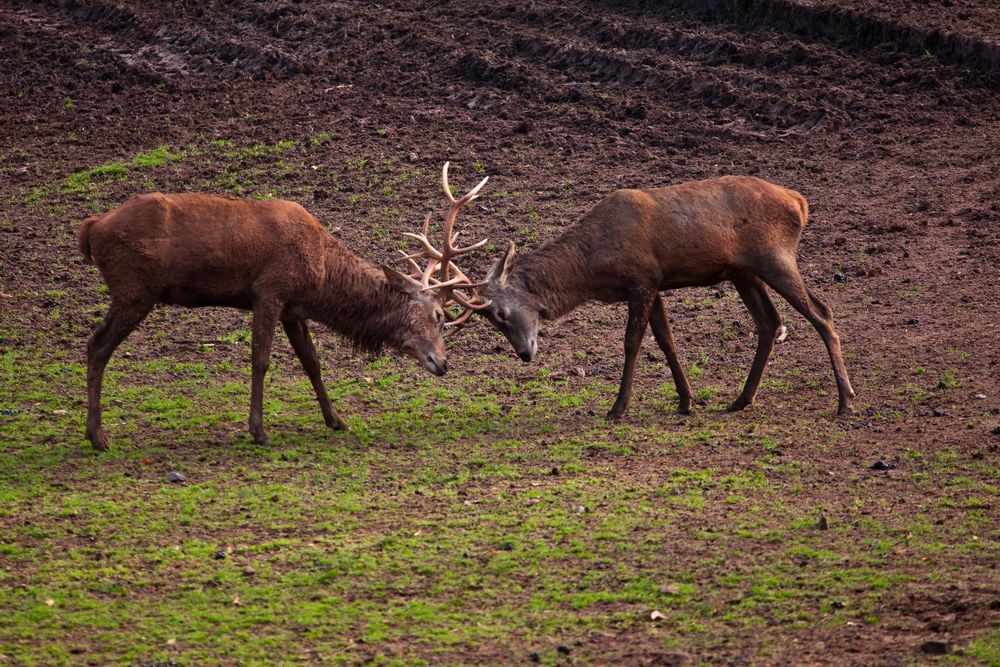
(501, 268)
(400, 281)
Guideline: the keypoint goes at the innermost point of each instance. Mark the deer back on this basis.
(200, 249)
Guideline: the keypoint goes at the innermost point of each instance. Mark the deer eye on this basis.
(437, 317)
(502, 315)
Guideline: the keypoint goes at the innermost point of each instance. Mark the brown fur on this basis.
(270, 257)
(635, 243)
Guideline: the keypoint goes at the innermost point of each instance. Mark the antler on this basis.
(452, 279)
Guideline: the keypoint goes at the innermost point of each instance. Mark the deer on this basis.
(636, 243)
(272, 258)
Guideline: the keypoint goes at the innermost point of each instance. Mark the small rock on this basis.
(837, 604)
(580, 373)
(535, 657)
(249, 571)
(563, 649)
(58, 412)
(554, 471)
(939, 412)
(935, 647)
(670, 589)
(533, 501)
(979, 397)
(912, 321)
(822, 524)
(176, 477)
(840, 277)
(656, 615)
(220, 555)
(412, 157)
(581, 509)
(881, 465)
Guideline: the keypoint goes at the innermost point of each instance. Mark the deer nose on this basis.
(525, 356)
(439, 368)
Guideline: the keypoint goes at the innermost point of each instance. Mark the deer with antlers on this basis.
(636, 243)
(274, 259)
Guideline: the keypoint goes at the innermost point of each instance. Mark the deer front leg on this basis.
(665, 339)
(298, 336)
(639, 303)
(265, 316)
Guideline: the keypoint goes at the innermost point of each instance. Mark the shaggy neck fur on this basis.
(556, 275)
(358, 303)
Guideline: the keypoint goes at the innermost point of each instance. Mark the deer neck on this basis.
(557, 275)
(356, 301)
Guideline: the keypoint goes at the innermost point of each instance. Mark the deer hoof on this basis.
(737, 405)
(98, 439)
(339, 425)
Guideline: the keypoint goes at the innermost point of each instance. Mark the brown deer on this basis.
(636, 243)
(269, 257)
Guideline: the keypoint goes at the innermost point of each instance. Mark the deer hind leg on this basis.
(639, 303)
(787, 282)
(265, 316)
(767, 321)
(120, 320)
(298, 335)
(665, 339)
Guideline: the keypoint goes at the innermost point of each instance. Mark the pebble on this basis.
(175, 477)
(935, 647)
(881, 465)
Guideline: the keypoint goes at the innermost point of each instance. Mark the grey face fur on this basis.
(512, 310)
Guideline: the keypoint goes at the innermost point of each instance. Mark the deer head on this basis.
(513, 310)
(421, 336)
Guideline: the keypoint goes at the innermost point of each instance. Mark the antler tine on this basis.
(450, 250)
(469, 305)
(417, 271)
(469, 196)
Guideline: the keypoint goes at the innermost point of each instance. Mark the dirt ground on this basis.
(886, 116)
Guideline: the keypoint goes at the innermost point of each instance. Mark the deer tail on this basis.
(84, 235)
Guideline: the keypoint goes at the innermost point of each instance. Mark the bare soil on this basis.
(886, 116)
